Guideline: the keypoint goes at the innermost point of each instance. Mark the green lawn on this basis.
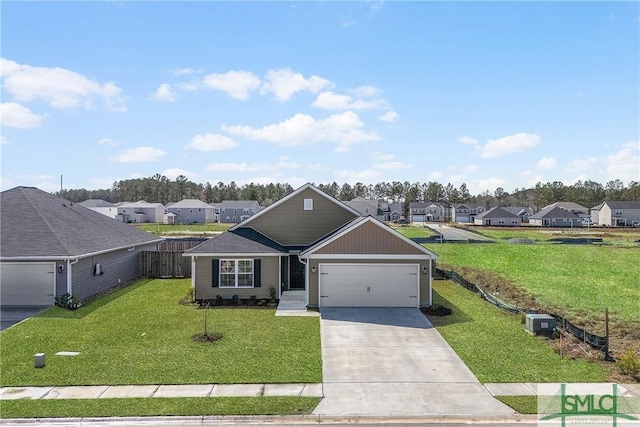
(495, 346)
(577, 280)
(70, 408)
(181, 229)
(143, 335)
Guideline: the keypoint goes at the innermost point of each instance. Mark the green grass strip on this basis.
(522, 404)
(495, 346)
(147, 407)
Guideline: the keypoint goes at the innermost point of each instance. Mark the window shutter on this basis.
(216, 273)
(256, 273)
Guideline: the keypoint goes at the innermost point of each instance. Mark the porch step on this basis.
(292, 304)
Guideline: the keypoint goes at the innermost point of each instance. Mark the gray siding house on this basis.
(555, 217)
(613, 213)
(235, 211)
(192, 211)
(101, 206)
(311, 243)
(498, 217)
(50, 246)
(367, 207)
(465, 212)
(140, 212)
(426, 212)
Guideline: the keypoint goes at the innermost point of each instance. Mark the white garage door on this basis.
(369, 285)
(31, 283)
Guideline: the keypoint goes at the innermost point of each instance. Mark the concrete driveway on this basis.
(9, 316)
(392, 361)
(453, 233)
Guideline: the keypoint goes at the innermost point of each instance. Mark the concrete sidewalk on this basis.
(184, 390)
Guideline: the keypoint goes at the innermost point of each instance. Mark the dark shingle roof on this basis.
(241, 240)
(497, 212)
(38, 224)
(554, 212)
(622, 204)
(97, 203)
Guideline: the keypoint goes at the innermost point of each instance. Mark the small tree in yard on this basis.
(206, 336)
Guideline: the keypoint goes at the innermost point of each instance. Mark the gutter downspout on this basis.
(306, 280)
(69, 275)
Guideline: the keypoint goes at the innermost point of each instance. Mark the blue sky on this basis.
(491, 94)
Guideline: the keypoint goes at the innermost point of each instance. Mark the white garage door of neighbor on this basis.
(369, 285)
(29, 283)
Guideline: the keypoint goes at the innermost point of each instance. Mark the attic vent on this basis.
(308, 204)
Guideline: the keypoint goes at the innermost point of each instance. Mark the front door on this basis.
(296, 273)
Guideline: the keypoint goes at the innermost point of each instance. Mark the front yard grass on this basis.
(143, 335)
(200, 406)
(495, 346)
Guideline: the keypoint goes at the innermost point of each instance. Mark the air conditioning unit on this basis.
(535, 323)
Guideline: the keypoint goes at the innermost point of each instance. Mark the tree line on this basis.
(160, 189)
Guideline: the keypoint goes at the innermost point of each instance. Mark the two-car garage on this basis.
(369, 285)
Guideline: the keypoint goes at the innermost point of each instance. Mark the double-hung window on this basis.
(236, 273)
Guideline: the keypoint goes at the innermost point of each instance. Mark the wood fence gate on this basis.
(163, 264)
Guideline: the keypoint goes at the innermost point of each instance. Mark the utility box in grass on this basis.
(536, 323)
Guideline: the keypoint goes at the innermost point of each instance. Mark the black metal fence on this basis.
(595, 341)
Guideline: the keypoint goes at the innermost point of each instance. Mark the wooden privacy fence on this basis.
(163, 264)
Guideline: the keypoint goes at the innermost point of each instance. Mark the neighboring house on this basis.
(522, 212)
(235, 211)
(612, 213)
(569, 206)
(216, 211)
(192, 211)
(367, 207)
(426, 212)
(555, 217)
(101, 206)
(465, 212)
(498, 217)
(50, 246)
(395, 212)
(310, 241)
(140, 212)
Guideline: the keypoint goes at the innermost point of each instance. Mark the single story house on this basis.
(192, 211)
(612, 213)
(555, 217)
(101, 206)
(50, 246)
(141, 212)
(312, 242)
(498, 217)
(522, 212)
(235, 211)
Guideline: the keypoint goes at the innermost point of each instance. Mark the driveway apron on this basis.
(392, 361)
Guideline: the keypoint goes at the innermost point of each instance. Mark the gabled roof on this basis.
(190, 204)
(358, 222)
(554, 212)
(290, 196)
(569, 206)
(239, 204)
(622, 204)
(97, 203)
(497, 212)
(241, 241)
(36, 224)
(420, 205)
(140, 204)
(518, 210)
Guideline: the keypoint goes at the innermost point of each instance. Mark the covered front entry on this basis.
(293, 273)
(369, 285)
(27, 283)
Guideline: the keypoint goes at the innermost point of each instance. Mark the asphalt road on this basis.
(9, 316)
(452, 233)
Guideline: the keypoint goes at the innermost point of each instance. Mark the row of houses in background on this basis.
(559, 214)
(188, 211)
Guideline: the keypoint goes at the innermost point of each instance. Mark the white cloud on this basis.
(183, 71)
(18, 116)
(625, 163)
(344, 129)
(60, 87)
(251, 167)
(173, 173)
(284, 83)
(335, 101)
(189, 87)
(107, 141)
(365, 91)
(237, 84)
(468, 140)
(382, 157)
(434, 175)
(489, 184)
(389, 116)
(139, 155)
(164, 93)
(211, 142)
(367, 176)
(546, 163)
(580, 165)
(392, 166)
(509, 145)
